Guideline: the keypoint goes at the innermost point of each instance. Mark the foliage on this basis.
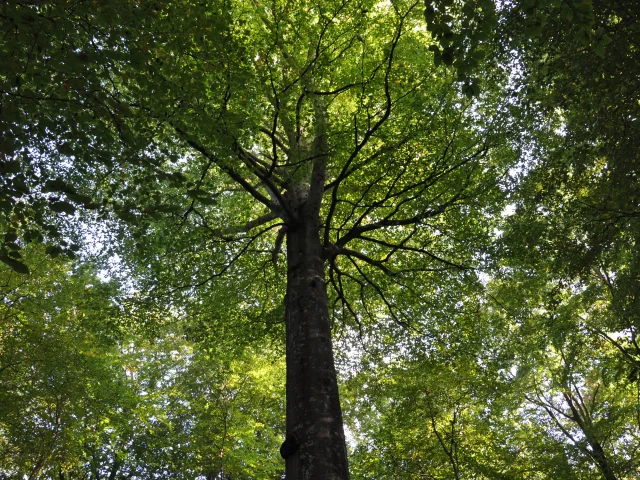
(84, 395)
(59, 367)
(476, 221)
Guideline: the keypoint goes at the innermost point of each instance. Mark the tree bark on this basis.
(315, 433)
(601, 459)
(597, 452)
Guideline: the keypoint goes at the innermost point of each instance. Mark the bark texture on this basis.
(313, 406)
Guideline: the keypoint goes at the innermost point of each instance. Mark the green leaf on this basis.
(206, 200)
(12, 246)
(437, 58)
(53, 250)
(126, 215)
(448, 56)
(475, 88)
(466, 89)
(429, 14)
(605, 40)
(56, 185)
(20, 185)
(16, 265)
(11, 166)
(79, 198)
(10, 237)
(583, 35)
(66, 149)
(468, 10)
(62, 207)
(568, 14)
(194, 193)
(15, 254)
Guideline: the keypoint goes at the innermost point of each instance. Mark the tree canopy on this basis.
(432, 206)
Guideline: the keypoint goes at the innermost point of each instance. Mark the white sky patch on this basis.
(483, 278)
(561, 130)
(350, 437)
(508, 210)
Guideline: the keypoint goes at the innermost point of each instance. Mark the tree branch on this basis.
(371, 131)
(227, 266)
(227, 169)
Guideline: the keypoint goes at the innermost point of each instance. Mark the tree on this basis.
(574, 230)
(577, 202)
(577, 405)
(436, 409)
(59, 368)
(326, 124)
(86, 394)
(567, 256)
(231, 129)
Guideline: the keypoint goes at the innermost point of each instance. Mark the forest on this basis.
(319, 240)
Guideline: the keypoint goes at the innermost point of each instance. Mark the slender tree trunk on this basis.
(601, 459)
(315, 446)
(583, 421)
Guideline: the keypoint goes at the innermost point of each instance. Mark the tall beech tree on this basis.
(318, 163)
(322, 133)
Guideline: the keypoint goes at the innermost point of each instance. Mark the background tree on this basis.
(572, 239)
(59, 367)
(86, 395)
(576, 197)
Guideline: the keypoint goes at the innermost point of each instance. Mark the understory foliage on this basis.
(86, 395)
(474, 171)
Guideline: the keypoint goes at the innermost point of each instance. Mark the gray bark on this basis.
(313, 406)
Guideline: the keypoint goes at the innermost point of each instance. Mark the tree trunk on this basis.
(597, 453)
(315, 447)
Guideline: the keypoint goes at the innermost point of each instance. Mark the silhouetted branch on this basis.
(227, 169)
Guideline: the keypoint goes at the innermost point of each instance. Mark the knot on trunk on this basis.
(289, 446)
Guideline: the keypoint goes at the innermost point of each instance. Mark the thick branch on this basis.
(356, 231)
